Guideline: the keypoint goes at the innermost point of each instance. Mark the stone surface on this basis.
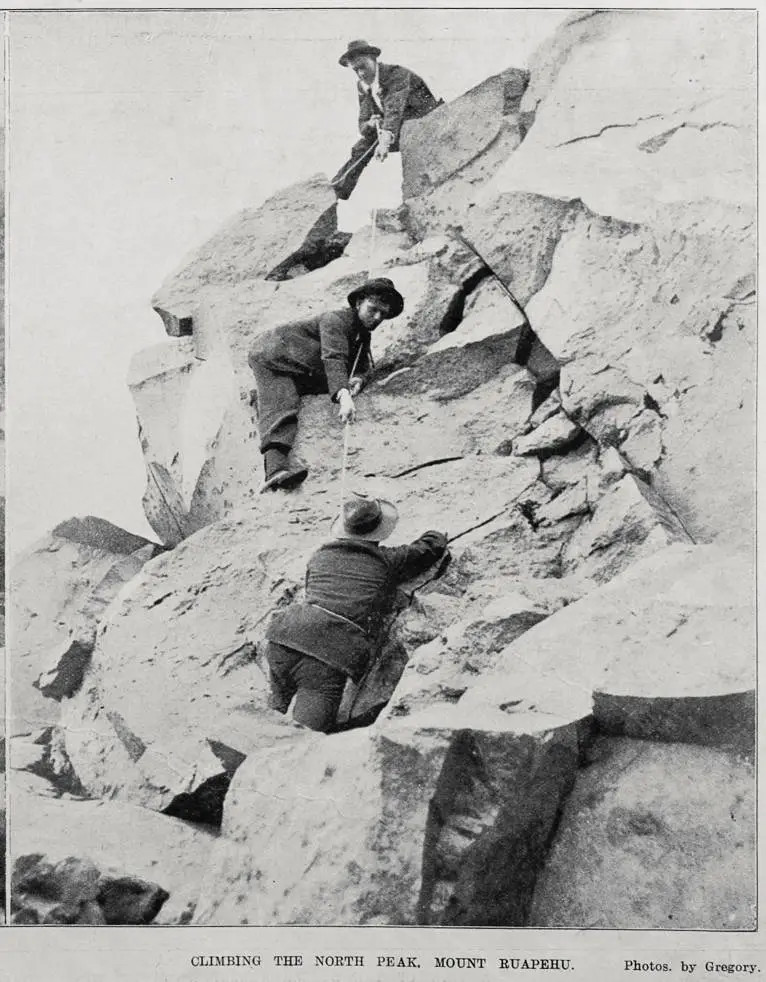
(394, 835)
(673, 635)
(653, 837)
(251, 245)
(74, 860)
(59, 587)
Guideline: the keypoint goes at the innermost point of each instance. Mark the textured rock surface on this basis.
(400, 820)
(59, 589)
(653, 837)
(76, 860)
(253, 244)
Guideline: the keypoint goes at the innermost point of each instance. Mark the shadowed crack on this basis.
(609, 126)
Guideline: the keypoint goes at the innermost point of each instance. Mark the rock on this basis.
(252, 245)
(456, 148)
(442, 669)
(606, 207)
(59, 589)
(553, 435)
(74, 859)
(670, 635)
(653, 837)
(629, 521)
(63, 675)
(416, 847)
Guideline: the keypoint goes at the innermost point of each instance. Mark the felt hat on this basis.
(380, 287)
(366, 518)
(358, 47)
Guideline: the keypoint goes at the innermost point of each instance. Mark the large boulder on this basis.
(624, 224)
(96, 862)
(60, 588)
(416, 822)
(666, 651)
(653, 837)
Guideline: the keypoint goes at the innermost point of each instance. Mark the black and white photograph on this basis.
(381, 401)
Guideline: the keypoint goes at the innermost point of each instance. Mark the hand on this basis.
(356, 383)
(371, 123)
(346, 409)
(385, 139)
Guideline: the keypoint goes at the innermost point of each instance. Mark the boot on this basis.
(279, 474)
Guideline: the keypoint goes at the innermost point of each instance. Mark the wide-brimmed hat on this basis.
(358, 47)
(380, 287)
(366, 518)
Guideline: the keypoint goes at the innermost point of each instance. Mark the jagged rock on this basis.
(626, 523)
(64, 673)
(554, 435)
(488, 312)
(640, 246)
(416, 847)
(253, 244)
(458, 147)
(672, 634)
(174, 677)
(442, 669)
(59, 589)
(75, 860)
(653, 837)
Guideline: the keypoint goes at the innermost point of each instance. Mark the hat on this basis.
(355, 48)
(382, 288)
(366, 518)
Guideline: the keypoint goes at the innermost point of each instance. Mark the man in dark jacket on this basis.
(388, 95)
(313, 647)
(327, 353)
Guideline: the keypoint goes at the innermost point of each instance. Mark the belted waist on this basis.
(333, 613)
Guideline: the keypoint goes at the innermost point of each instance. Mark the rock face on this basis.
(568, 393)
(98, 862)
(61, 587)
(655, 836)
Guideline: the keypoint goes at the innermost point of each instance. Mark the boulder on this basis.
(458, 147)
(252, 245)
(654, 836)
(665, 651)
(632, 251)
(101, 862)
(413, 822)
(60, 588)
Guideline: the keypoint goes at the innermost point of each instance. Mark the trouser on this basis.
(344, 185)
(279, 402)
(317, 688)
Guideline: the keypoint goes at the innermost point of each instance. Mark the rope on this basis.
(357, 162)
(347, 424)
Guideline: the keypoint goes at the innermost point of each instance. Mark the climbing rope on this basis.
(347, 424)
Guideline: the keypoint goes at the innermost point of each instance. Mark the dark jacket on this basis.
(403, 95)
(320, 349)
(350, 584)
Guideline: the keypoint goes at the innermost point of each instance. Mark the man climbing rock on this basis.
(327, 353)
(314, 646)
(388, 95)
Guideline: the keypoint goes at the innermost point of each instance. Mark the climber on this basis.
(351, 580)
(388, 95)
(326, 353)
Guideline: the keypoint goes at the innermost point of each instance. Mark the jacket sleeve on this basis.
(409, 561)
(395, 99)
(334, 341)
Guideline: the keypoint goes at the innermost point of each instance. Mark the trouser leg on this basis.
(279, 403)
(347, 177)
(281, 661)
(320, 690)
